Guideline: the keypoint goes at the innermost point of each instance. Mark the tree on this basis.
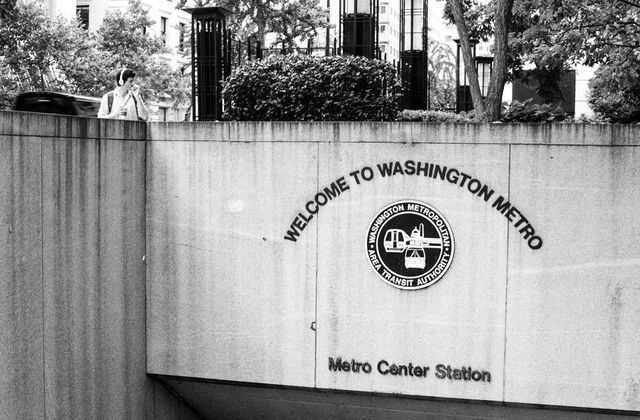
(489, 108)
(125, 39)
(288, 19)
(615, 90)
(298, 19)
(442, 75)
(555, 35)
(7, 8)
(589, 31)
(32, 44)
(123, 34)
(38, 52)
(551, 34)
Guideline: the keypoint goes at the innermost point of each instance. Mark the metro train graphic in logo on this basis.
(410, 245)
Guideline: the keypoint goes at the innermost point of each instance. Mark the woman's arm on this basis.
(143, 112)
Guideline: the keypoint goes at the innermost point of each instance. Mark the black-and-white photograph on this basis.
(319, 209)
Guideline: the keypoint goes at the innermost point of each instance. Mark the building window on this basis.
(82, 12)
(163, 30)
(183, 29)
(383, 9)
(382, 29)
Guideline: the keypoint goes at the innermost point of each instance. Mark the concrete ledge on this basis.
(50, 125)
(398, 132)
(14, 123)
(188, 131)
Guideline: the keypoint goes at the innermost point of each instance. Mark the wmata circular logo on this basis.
(410, 245)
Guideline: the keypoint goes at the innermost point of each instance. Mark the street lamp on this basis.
(414, 60)
(359, 27)
(210, 60)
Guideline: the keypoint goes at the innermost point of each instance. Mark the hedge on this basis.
(434, 116)
(523, 112)
(529, 112)
(308, 88)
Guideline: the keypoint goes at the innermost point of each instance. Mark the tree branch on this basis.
(614, 44)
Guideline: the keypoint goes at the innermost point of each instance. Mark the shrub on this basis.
(515, 112)
(589, 119)
(615, 92)
(7, 100)
(433, 116)
(528, 112)
(307, 88)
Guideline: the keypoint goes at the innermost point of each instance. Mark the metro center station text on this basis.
(386, 368)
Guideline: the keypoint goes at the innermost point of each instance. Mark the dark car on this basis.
(58, 103)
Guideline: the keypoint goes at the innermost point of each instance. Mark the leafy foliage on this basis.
(553, 35)
(312, 89)
(529, 112)
(32, 44)
(478, 17)
(288, 19)
(38, 52)
(433, 116)
(615, 91)
(579, 31)
(588, 31)
(124, 39)
(123, 35)
(7, 8)
(589, 119)
(442, 75)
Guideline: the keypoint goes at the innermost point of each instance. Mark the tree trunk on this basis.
(261, 16)
(502, 22)
(469, 65)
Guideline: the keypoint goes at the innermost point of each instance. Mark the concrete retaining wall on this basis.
(88, 209)
(553, 322)
(72, 246)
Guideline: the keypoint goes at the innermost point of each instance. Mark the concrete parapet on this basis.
(66, 127)
(398, 132)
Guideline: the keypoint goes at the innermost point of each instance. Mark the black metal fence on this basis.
(215, 55)
(252, 49)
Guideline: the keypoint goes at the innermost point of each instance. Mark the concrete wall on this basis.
(72, 271)
(230, 299)
(87, 209)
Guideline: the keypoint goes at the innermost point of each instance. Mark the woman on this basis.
(124, 102)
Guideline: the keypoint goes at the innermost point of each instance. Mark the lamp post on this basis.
(210, 60)
(414, 59)
(359, 27)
